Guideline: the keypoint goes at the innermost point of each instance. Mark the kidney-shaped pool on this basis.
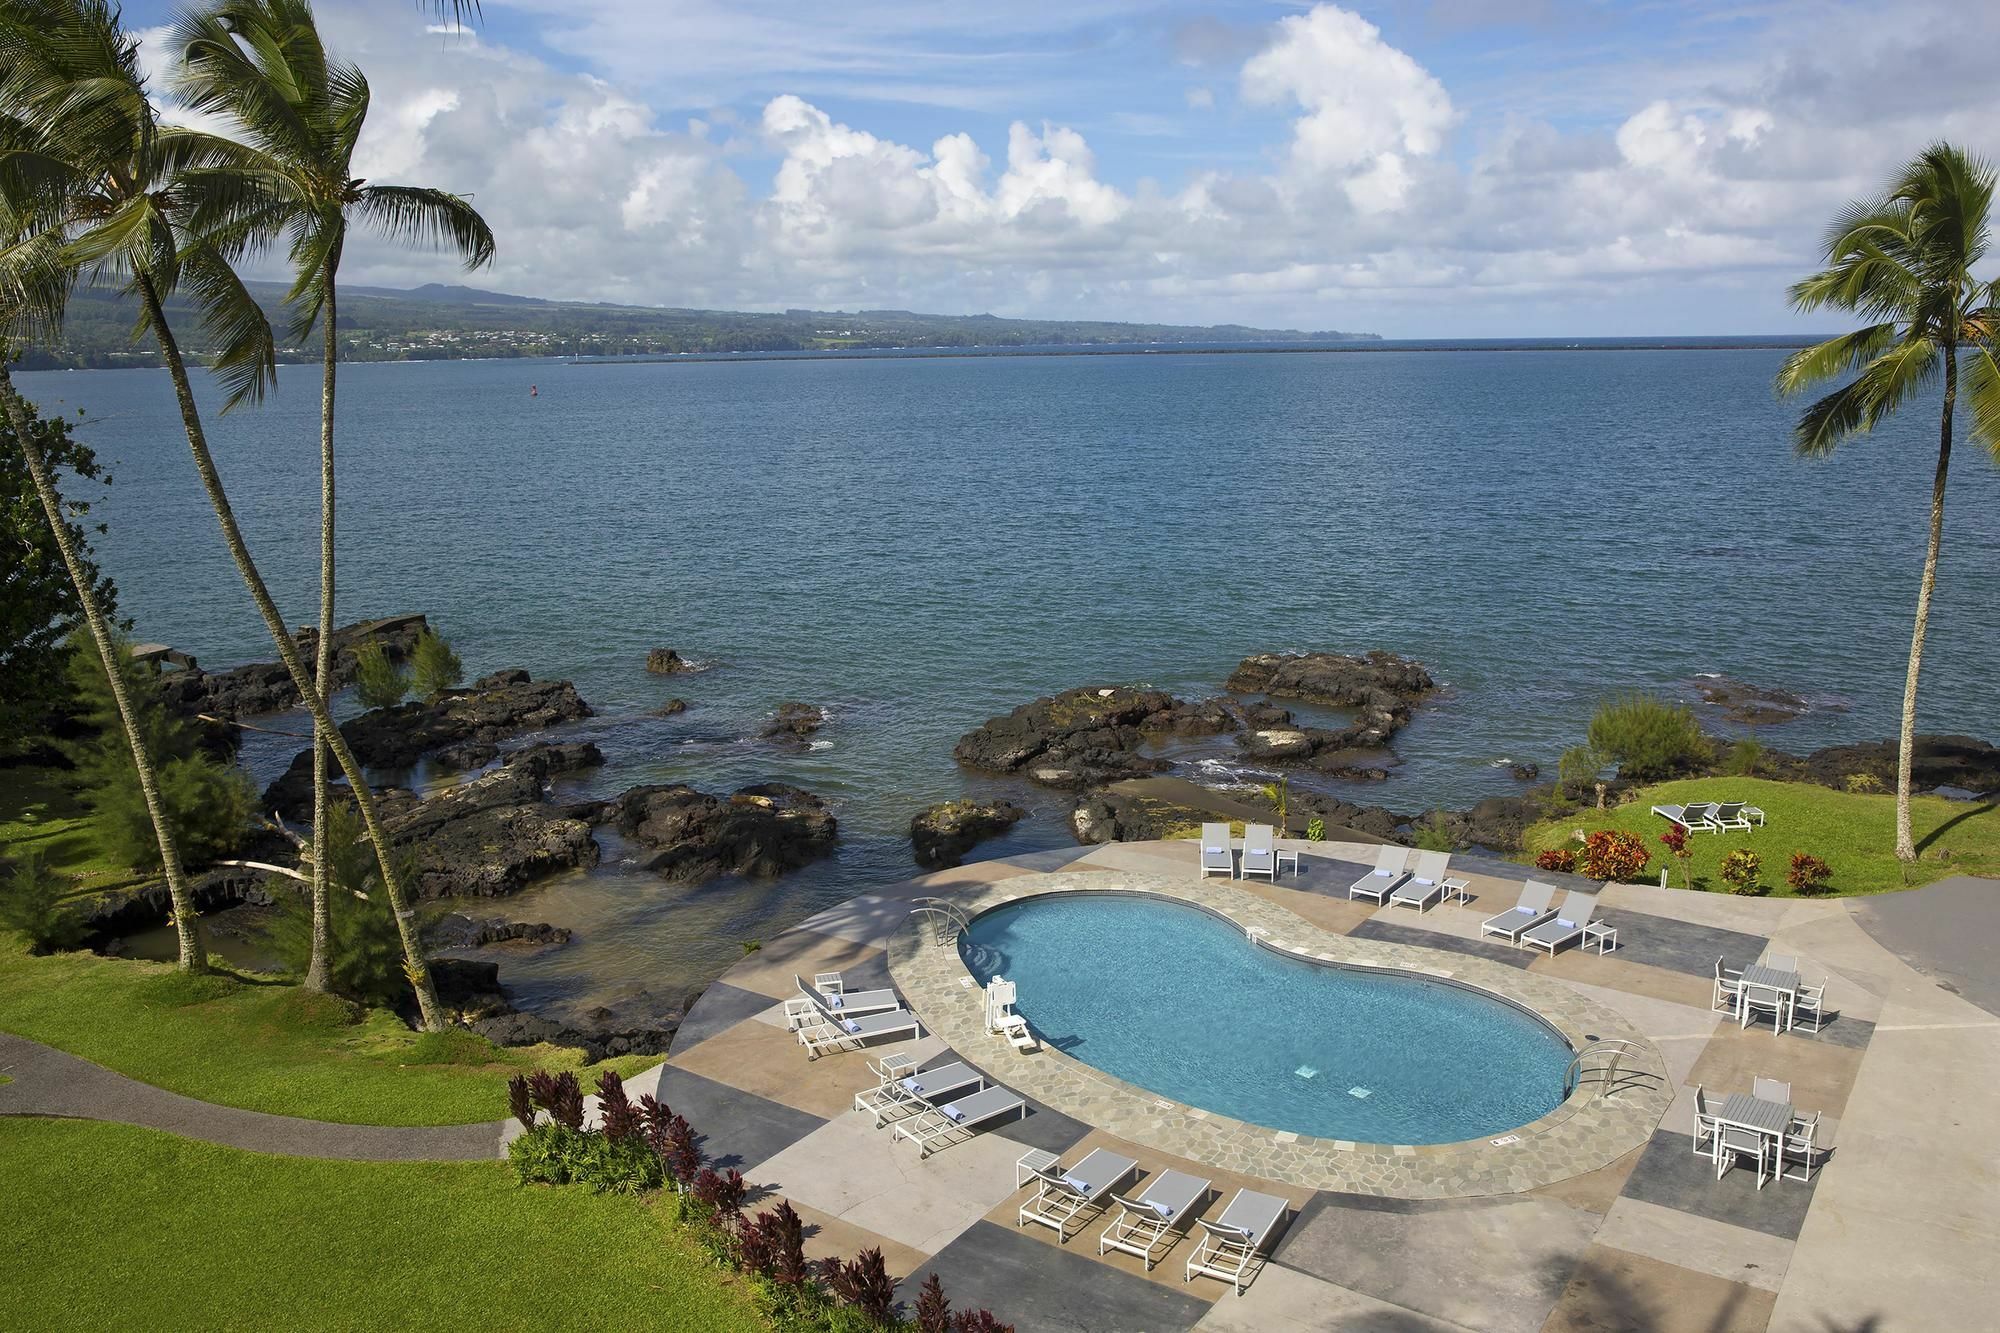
(1179, 1002)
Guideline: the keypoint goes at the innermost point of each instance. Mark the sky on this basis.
(1415, 168)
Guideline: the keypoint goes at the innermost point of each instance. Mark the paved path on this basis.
(1945, 930)
(49, 1082)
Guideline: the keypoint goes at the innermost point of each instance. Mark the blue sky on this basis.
(1429, 168)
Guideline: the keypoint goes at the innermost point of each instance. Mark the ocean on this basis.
(918, 543)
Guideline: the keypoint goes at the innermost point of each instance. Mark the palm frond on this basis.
(436, 218)
(1836, 356)
(1858, 407)
(245, 355)
(1980, 389)
(35, 284)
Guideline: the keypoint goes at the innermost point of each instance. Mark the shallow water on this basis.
(920, 544)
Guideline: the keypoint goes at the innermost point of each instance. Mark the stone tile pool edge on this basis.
(1583, 1134)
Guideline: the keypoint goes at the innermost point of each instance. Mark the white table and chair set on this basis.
(1772, 985)
(1759, 1126)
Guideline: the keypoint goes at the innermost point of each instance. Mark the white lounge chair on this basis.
(848, 1004)
(1728, 988)
(1063, 1194)
(1230, 1244)
(1533, 909)
(1260, 852)
(1426, 882)
(1216, 856)
(1566, 925)
(1697, 818)
(835, 1033)
(913, 1094)
(940, 1126)
(1157, 1218)
(1387, 876)
(1729, 816)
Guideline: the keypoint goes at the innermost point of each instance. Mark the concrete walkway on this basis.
(48, 1082)
(1946, 930)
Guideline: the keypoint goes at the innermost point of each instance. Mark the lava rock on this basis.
(493, 835)
(1751, 705)
(1525, 772)
(941, 834)
(1073, 739)
(763, 830)
(469, 987)
(544, 758)
(667, 662)
(795, 722)
(458, 931)
(266, 687)
(1963, 762)
(467, 755)
(503, 704)
(671, 708)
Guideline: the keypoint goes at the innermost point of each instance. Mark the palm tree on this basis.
(34, 286)
(261, 64)
(73, 75)
(1905, 260)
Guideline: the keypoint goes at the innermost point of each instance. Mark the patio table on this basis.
(1781, 983)
(1770, 1119)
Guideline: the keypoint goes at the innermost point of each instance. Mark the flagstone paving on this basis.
(1623, 1228)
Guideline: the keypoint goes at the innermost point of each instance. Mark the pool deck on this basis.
(1895, 1231)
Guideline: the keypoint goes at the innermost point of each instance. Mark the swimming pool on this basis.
(1177, 1001)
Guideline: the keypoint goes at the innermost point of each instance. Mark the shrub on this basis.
(720, 1192)
(614, 1109)
(1578, 769)
(559, 1095)
(1744, 757)
(1675, 840)
(1316, 829)
(1742, 871)
(555, 1154)
(365, 950)
(1648, 738)
(434, 667)
(774, 1246)
(378, 682)
(31, 902)
(862, 1282)
(1864, 784)
(1433, 836)
(1808, 874)
(1559, 859)
(519, 1103)
(933, 1310)
(1610, 854)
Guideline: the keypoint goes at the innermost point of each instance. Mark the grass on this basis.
(1853, 833)
(39, 813)
(263, 1045)
(114, 1226)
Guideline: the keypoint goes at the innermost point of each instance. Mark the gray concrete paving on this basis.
(1038, 1286)
(48, 1082)
(734, 1128)
(1947, 931)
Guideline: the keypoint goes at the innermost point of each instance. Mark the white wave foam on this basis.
(819, 745)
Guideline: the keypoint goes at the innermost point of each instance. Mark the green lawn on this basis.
(266, 1046)
(109, 1226)
(40, 814)
(1854, 834)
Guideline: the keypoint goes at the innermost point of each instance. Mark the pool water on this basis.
(1174, 1000)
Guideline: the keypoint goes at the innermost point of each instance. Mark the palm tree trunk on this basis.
(192, 956)
(322, 927)
(414, 966)
(1906, 847)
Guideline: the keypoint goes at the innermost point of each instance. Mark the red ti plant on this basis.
(559, 1095)
(933, 1310)
(520, 1101)
(978, 1321)
(1676, 842)
(615, 1111)
(720, 1191)
(863, 1282)
(774, 1245)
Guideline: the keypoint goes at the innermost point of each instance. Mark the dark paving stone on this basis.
(1670, 1175)
(1679, 946)
(1514, 870)
(733, 1128)
(1390, 932)
(1853, 1033)
(721, 1007)
(1040, 1288)
(1944, 930)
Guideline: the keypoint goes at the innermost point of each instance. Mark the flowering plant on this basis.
(1611, 854)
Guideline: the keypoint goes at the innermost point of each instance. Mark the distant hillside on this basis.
(444, 322)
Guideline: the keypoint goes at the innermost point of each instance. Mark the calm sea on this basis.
(919, 543)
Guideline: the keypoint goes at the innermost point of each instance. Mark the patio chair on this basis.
(1704, 1121)
(1770, 1090)
(939, 1126)
(1260, 852)
(1810, 1003)
(1157, 1218)
(1387, 876)
(912, 1094)
(1799, 1149)
(1530, 911)
(1693, 818)
(1216, 858)
(842, 1033)
(1784, 962)
(1728, 982)
(1426, 882)
(1230, 1244)
(1566, 925)
(1757, 1001)
(1729, 815)
(1064, 1194)
(1732, 1142)
(845, 1003)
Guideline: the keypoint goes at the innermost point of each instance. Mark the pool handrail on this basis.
(947, 921)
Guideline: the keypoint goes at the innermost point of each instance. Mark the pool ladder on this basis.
(1613, 1069)
(946, 921)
